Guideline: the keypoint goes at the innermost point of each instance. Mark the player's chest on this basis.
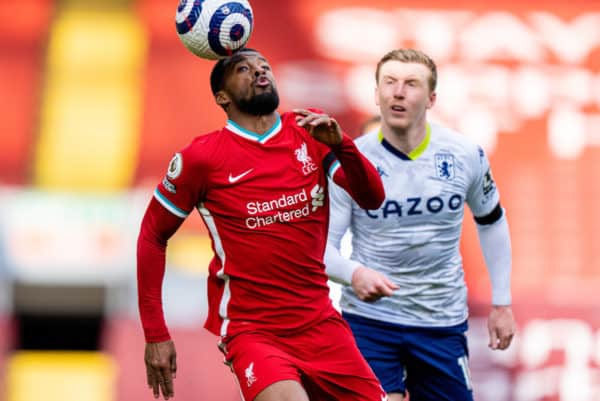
(276, 176)
(432, 186)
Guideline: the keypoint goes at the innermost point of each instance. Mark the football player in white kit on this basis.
(405, 296)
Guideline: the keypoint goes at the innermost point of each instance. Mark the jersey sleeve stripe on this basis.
(330, 164)
(334, 167)
(491, 217)
(169, 205)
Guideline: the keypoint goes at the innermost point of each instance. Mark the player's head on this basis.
(410, 56)
(245, 81)
(406, 81)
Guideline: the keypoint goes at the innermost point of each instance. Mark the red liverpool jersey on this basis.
(264, 201)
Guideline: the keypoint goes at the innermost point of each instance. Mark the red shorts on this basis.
(323, 358)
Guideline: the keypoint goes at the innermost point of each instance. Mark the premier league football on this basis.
(213, 29)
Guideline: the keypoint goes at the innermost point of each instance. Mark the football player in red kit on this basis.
(260, 185)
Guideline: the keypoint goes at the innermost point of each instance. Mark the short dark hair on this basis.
(223, 66)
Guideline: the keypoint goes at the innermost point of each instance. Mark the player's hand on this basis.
(322, 127)
(370, 285)
(161, 366)
(501, 327)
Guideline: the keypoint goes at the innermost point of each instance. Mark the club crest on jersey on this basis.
(249, 372)
(488, 183)
(307, 164)
(444, 166)
(175, 166)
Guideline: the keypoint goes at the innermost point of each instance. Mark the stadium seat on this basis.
(101, 137)
(60, 376)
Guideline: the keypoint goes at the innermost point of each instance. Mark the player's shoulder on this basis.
(289, 126)
(444, 137)
(369, 141)
(289, 117)
(203, 147)
(206, 139)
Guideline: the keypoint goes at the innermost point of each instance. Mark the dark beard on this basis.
(259, 105)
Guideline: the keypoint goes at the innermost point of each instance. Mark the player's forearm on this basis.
(361, 179)
(156, 228)
(337, 267)
(496, 247)
(150, 273)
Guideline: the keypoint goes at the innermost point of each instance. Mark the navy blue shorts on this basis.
(430, 363)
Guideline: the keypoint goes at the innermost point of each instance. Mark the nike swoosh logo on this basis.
(233, 179)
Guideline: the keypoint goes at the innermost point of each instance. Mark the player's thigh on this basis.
(285, 390)
(437, 367)
(381, 344)
(395, 397)
(337, 370)
(258, 363)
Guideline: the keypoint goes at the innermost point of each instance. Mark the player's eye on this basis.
(242, 68)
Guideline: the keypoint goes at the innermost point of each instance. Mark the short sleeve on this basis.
(483, 195)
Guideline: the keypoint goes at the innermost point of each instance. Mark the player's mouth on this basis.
(262, 82)
(398, 109)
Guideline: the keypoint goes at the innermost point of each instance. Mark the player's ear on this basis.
(432, 98)
(222, 98)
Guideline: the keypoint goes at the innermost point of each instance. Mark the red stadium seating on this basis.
(22, 42)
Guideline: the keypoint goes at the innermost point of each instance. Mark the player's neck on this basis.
(258, 124)
(405, 139)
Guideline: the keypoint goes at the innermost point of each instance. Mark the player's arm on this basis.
(357, 175)
(368, 284)
(173, 199)
(337, 267)
(494, 238)
(158, 225)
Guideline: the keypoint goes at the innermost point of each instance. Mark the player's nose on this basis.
(399, 92)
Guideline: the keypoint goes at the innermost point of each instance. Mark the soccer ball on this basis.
(214, 29)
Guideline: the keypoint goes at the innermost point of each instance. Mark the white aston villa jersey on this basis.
(414, 236)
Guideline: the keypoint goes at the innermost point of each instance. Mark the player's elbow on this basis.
(370, 204)
(371, 199)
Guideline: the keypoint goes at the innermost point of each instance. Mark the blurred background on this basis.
(96, 96)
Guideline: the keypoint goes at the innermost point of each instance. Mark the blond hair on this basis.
(410, 56)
